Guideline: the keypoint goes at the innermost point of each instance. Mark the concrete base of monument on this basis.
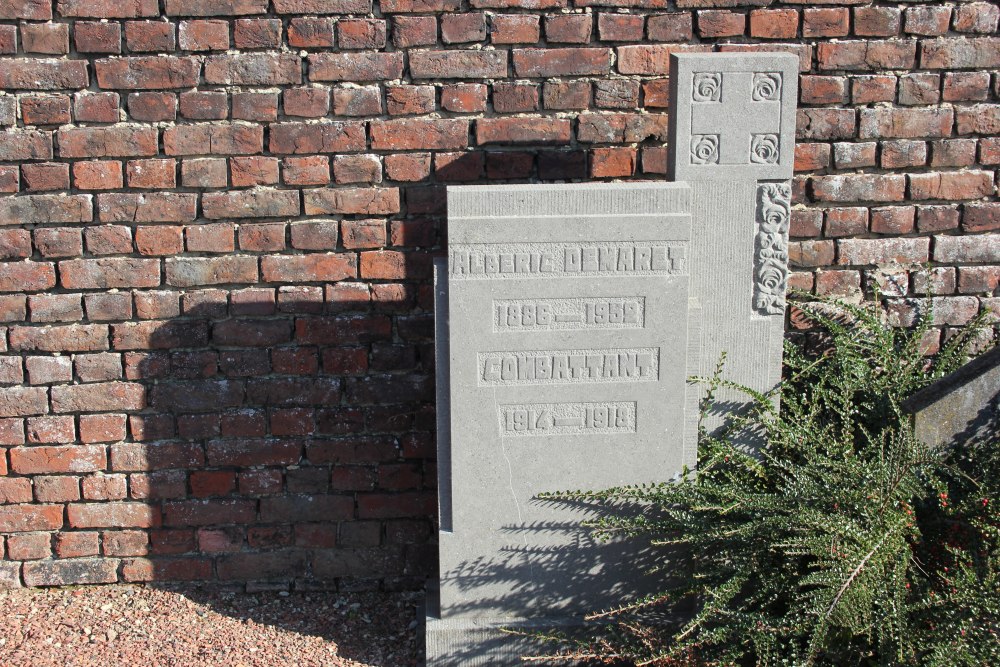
(475, 642)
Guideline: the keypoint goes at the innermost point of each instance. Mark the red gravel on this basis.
(184, 627)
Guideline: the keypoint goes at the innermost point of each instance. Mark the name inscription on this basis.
(571, 313)
(540, 260)
(567, 366)
(540, 419)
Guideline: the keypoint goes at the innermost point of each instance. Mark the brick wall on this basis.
(219, 218)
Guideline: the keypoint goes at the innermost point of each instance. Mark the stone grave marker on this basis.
(569, 318)
(962, 407)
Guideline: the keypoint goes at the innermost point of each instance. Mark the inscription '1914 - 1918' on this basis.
(607, 365)
(567, 418)
(538, 260)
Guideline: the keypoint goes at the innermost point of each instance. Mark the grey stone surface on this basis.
(569, 354)
(962, 407)
(568, 318)
(732, 116)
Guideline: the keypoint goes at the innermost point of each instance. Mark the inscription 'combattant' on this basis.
(505, 368)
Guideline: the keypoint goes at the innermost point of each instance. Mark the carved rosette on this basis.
(706, 87)
(764, 149)
(705, 149)
(771, 261)
(766, 87)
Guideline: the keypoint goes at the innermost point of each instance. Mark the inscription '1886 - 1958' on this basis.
(569, 313)
(544, 367)
(539, 260)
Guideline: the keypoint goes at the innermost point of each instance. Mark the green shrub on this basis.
(843, 541)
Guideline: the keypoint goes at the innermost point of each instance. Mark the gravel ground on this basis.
(104, 626)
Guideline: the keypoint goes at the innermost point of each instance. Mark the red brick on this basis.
(42, 176)
(27, 276)
(861, 55)
(812, 157)
(147, 207)
(410, 31)
(108, 240)
(126, 543)
(94, 37)
(651, 59)
(720, 23)
(15, 244)
(15, 490)
(673, 27)
(859, 187)
(823, 89)
(201, 105)
(419, 134)
(876, 21)
(253, 69)
(152, 174)
(152, 106)
(620, 27)
(951, 185)
(965, 87)
(356, 66)
(974, 53)
(96, 107)
(252, 171)
(877, 88)
(38, 74)
(562, 62)
(357, 169)
(77, 544)
(48, 38)
(309, 268)
(464, 97)
(191, 271)
(105, 487)
(257, 203)
(213, 139)
(162, 569)
(981, 217)
(613, 162)
(107, 9)
(566, 94)
(57, 459)
(927, 20)
(311, 170)
(26, 146)
(147, 72)
(903, 153)
(119, 141)
(513, 29)
(262, 237)
(50, 430)
(39, 10)
(846, 221)
(883, 251)
(404, 100)
(113, 515)
(774, 23)
(146, 36)
(892, 220)
(257, 33)
(976, 17)
(522, 130)
(365, 101)
(69, 338)
(204, 35)
(978, 119)
(159, 240)
(408, 166)
(330, 137)
(97, 175)
(905, 123)
(204, 173)
(45, 110)
(310, 32)
(102, 428)
(568, 28)
(215, 8)
(59, 489)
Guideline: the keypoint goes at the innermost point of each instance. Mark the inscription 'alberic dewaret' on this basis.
(539, 260)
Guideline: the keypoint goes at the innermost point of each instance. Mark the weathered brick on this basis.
(651, 59)
(147, 72)
(99, 397)
(362, 201)
(41, 74)
(522, 130)
(117, 141)
(191, 271)
(857, 252)
(860, 187)
(562, 62)
(113, 515)
(253, 69)
(951, 185)
(206, 139)
(355, 66)
(147, 207)
(458, 64)
(862, 55)
(408, 134)
(978, 119)
(215, 8)
(51, 459)
(975, 53)
(324, 6)
(307, 138)
(256, 203)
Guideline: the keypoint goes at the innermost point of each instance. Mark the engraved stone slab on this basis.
(962, 407)
(568, 310)
(733, 116)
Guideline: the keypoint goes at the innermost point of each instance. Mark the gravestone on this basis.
(569, 318)
(961, 408)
